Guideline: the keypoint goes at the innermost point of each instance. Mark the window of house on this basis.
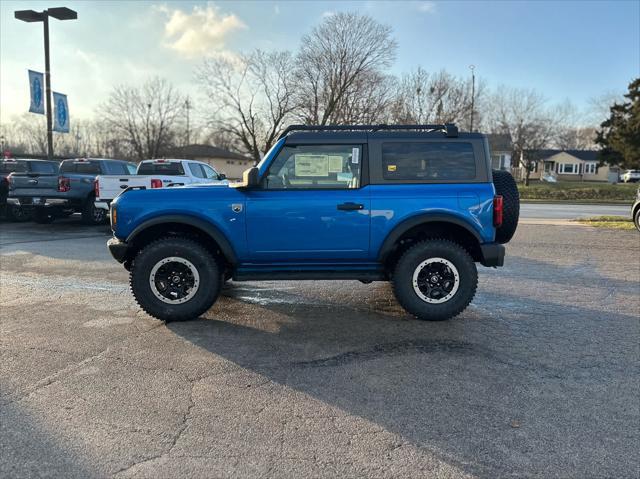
(568, 168)
(428, 161)
(589, 168)
(315, 166)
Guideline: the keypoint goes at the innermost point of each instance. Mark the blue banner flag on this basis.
(60, 113)
(36, 85)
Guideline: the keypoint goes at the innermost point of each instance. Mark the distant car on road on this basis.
(635, 210)
(71, 189)
(29, 167)
(631, 176)
(156, 174)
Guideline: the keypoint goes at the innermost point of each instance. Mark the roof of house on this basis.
(584, 155)
(206, 151)
(500, 142)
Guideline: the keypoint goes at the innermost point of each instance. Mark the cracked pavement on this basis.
(539, 377)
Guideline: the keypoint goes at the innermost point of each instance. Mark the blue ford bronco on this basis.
(417, 205)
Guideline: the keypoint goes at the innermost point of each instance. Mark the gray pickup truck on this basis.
(67, 191)
(30, 168)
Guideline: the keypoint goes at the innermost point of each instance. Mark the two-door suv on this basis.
(417, 205)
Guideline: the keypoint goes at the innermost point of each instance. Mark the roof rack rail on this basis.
(450, 129)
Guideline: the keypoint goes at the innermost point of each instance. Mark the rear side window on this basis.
(81, 167)
(13, 167)
(43, 167)
(428, 161)
(196, 170)
(169, 169)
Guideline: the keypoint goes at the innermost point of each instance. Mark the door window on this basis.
(315, 166)
(209, 172)
(196, 170)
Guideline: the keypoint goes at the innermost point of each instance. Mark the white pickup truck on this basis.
(156, 174)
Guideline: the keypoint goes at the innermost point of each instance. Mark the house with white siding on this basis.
(566, 165)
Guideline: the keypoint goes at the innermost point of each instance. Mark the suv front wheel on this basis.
(435, 280)
(175, 279)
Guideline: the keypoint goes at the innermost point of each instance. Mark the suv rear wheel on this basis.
(435, 280)
(175, 279)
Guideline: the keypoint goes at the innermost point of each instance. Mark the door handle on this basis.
(350, 206)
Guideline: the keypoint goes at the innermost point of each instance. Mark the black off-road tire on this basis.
(43, 216)
(18, 214)
(410, 261)
(91, 215)
(636, 219)
(506, 187)
(209, 271)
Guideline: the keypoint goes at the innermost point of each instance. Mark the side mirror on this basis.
(250, 179)
(222, 176)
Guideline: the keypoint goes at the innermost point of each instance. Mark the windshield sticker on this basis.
(346, 177)
(355, 155)
(311, 165)
(335, 164)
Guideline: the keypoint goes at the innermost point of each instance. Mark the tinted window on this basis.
(116, 168)
(131, 168)
(12, 166)
(168, 169)
(316, 166)
(43, 167)
(196, 170)
(210, 172)
(428, 161)
(81, 167)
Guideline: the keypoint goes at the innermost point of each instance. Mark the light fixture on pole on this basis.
(30, 16)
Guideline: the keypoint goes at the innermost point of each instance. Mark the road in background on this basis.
(569, 212)
(320, 378)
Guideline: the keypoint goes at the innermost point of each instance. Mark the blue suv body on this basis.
(416, 205)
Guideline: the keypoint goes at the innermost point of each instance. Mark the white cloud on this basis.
(202, 32)
(426, 7)
(328, 13)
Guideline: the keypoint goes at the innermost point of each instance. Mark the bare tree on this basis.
(523, 115)
(434, 98)
(144, 117)
(336, 58)
(251, 96)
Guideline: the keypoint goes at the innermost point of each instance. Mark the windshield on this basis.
(272, 151)
(169, 169)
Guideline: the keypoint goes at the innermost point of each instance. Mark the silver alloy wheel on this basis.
(174, 280)
(98, 214)
(436, 280)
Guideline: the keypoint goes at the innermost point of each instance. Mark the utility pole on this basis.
(187, 106)
(30, 16)
(473, 93)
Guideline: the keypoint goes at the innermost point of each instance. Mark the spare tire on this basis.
(506, 187)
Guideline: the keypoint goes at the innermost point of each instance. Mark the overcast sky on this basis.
(566, 50)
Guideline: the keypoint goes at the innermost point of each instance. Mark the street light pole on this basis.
(473, 93)
(47, 82)
(30, 16)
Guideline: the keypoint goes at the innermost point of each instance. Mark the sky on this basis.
(567, 50)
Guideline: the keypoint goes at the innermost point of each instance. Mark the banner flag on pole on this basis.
(60, 113)
(36, 86)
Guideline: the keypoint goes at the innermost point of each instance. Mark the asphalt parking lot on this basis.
(539, 377)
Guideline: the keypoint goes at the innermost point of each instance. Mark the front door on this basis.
(310, 207)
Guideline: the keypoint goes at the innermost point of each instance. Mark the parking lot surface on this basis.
(538, 377)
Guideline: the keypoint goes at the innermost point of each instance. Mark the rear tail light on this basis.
(96, 188)
(64, 184)
(497, 211)
(156, 183)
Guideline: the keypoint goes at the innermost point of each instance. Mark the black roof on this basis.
(205, 151)
(584, 155)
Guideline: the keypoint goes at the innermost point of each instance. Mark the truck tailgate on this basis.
(110, 186)
(32, 184)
